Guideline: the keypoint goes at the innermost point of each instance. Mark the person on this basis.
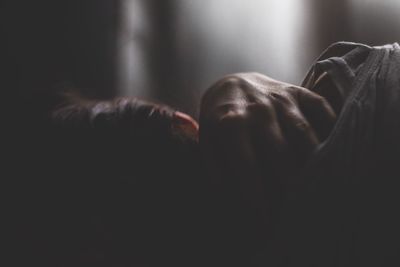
(290, 174)
(122, 181)
(110, 172)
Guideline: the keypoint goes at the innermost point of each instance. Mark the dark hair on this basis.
(109, 182)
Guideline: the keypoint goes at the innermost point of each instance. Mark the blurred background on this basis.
(170, 51)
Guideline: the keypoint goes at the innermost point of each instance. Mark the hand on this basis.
(256, 133)
(262, 118)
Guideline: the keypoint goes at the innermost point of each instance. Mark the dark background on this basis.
(49, 43)
(172, 50)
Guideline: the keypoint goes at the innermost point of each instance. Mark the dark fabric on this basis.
(346, 214)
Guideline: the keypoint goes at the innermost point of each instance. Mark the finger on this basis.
(242, 181)
(326, 88)
(234, 143)
(266, 129)
(318, 112)
(299, 134)
(273, 157)
(270, 145)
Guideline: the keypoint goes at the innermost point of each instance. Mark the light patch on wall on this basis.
(133, 76)
(375, 22)
(254, 35)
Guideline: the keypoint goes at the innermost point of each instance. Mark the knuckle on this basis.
(265, 109)
(232, 120)
(297, 120)
(222, 88)
(320, 100)
(282, 98)
(232, 80)
(297, 93)
(214, 115)
(303, 126)
(224, 125)
(292, 89)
